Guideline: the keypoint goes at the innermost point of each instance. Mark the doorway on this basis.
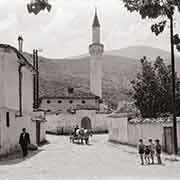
(38, 132)
(86, 123)
(168, 140)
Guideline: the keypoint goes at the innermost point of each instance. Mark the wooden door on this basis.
(86, 123)
(168, 139)
(38, 130)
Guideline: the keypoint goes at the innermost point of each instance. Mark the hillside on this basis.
(139, 51)
(119, 67)
(57, 75)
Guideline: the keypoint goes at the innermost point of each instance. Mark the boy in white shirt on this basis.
(152, 150)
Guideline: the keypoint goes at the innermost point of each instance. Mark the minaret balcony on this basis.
(96, 49)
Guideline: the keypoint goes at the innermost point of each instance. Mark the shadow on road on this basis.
(17, 158)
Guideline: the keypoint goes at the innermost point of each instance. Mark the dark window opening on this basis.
(7, 119)
(83, 102)
(48, 101)
(71, 101)
(59, 101)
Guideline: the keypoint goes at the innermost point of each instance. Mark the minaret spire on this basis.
(96, 50)
(96, 20)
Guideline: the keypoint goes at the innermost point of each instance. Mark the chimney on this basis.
(20, 44)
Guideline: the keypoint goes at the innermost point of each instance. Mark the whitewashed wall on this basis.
(130, 133)
(43, 132)
(9, 136)
(27, 90)
(100, 122)
(11, 81)
(2, 95)
(118, 129)
(144, 131)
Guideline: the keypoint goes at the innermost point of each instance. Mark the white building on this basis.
(77, 108)
(16, 100)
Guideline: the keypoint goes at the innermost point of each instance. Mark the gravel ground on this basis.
(101, 160)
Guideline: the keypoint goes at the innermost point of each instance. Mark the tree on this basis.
(145, 89)
(153, 9)
(152, 90)
(35, 6)
(161, 8)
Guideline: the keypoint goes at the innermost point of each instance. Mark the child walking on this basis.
(152, 150)
(147, 154)
(158, 151)
(141, 151)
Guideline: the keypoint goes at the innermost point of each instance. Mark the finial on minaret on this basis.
(96, 20)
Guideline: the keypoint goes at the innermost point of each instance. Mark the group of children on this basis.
(147, 152)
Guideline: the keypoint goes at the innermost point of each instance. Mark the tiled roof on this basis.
(75, 95)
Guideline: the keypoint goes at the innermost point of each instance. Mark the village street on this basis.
(101, 160)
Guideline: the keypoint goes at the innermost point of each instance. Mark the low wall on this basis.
(144, 131)
(122, 131)
(118, 129)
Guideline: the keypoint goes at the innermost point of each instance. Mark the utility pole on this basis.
(173, 87)
(36, 79)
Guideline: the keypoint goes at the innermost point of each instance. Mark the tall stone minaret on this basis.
(96, 50)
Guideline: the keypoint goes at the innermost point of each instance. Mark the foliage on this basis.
(35, 6)
(152, 89)
(153, 9)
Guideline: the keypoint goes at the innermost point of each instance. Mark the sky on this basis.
(66, 30)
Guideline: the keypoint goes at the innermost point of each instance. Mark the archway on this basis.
(86, 123)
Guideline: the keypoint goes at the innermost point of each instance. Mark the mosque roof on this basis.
(75, 95)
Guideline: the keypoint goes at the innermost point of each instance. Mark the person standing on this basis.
(147, 154)
(75, 129)
(152, 150)
(141, 151)
(24, 140)
(158, 151)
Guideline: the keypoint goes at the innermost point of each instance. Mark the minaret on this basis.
(96, 50)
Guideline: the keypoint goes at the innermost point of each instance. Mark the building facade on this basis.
(16, 105)
(65, 112)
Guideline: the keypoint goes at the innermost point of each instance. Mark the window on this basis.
(83, 102)
(48, 101)
(7, 119)
(70, 101)
(59, 101)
